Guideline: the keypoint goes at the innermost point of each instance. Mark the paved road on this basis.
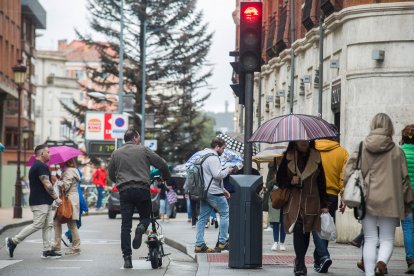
(101, 255)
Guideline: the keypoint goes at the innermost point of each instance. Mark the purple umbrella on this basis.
(59, 154)
(293, 127)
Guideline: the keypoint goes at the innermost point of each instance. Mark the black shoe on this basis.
(10, 246)
(136, 243)
(127, 262)
(316, 267)
(51, 254)
(325, 264)
(222, 246)
(216, 224)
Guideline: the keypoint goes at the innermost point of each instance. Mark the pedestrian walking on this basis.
(408, 221)
(275, 215)
(388, 192)
(216, 198)
(129, 168)
(83, 209)
(99, 179)
(41, 198)
(301, 171)
(25, 191)
(68, 185)
(333, 158)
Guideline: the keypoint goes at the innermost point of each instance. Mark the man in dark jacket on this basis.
(129, 168)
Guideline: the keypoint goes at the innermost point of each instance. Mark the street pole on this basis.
(17, 211)
(121, 70)
(143, 74)
(292, 55)
(321, 36)
(248, 126)
(24, 157)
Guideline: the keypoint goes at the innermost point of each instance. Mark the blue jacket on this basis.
(82, 202)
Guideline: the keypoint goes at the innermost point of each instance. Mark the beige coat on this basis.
(69, 182)
(384, 168)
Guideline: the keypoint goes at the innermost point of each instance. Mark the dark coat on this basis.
(306, 202)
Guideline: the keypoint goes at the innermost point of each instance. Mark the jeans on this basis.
(130, 199)
(386, 241)
(42, 219)
(321, 252)
(188, 202)
(278, 227)
(165, 208)
(100, 197)
(195, 211)
(300, 244)
(408, 231)
(206, 207)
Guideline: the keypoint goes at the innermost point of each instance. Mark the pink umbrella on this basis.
(58, 154)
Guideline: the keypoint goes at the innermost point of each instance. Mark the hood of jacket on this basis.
(377, 141)
(326, 145)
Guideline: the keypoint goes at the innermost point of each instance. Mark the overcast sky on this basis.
(64, 16)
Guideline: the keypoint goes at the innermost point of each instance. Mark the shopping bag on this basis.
(328, 229)
(171, 197)
(279, 197)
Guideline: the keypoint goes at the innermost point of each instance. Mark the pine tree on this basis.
(177, 45)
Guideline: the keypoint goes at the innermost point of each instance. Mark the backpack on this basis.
(195, 179)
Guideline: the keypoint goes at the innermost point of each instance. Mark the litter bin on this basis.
(246, 218)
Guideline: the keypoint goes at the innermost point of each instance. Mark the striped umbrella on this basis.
(293, 127)
(234, 141)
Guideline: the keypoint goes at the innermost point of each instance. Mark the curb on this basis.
(29, 221)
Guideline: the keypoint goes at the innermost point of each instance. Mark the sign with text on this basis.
(105, 126)
(101, 148)
(151, 144)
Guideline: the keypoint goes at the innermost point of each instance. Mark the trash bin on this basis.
(246, 218)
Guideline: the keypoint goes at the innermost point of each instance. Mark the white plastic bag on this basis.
(328, 229)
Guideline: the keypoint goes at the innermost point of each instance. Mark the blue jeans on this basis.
(100, 197)
(408, 231)
(278, 227)
(188, 202)
(206, 207)
(165, 207)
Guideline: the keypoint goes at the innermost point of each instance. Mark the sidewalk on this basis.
(181, 235)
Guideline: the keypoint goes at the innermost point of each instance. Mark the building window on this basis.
(67, 100)
(78, 74)
(64, 131)
(11, 137)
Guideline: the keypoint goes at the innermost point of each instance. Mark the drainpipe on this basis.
(321, 36)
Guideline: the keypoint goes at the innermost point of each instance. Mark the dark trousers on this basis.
(195, 210)
(130, 199)
(321, 252)
(300, 244)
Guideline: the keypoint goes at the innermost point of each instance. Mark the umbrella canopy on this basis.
(293, 127)
(59, 154)
(235, 142)
(269, 154)
(2, 147)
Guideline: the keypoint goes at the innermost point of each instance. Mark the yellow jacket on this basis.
(334, 158)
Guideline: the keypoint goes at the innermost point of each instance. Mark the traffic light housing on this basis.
(250, 36)
(237, 79)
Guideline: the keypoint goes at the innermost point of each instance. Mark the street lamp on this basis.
(25, 136)
(19, 72)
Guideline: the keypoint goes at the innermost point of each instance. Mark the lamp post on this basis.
(19, 72)
(25, 136)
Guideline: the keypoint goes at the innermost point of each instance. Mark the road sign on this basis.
(152, 144)
(105, 126)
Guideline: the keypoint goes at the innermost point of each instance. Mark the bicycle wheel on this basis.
(154, 255)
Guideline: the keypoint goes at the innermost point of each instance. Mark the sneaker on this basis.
(10, 246)
(275, 247)
(216, 225)
(325, 264)
(207, 224)
(282, 247)
(136, 243)
(360, 265)
(51, 254)
(268, 229)
(212, 221)
(72, 252)
(222, 247)
(203, 249)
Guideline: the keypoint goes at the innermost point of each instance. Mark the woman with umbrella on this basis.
(301, 171)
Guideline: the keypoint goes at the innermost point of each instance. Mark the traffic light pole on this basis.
(248, 126)
(118, 142)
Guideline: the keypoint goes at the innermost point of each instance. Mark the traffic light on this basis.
(238, 80)
(250, 36)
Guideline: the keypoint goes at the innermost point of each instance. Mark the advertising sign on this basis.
(105, 126)
(152, 144)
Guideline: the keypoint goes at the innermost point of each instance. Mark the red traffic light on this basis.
(250, 13)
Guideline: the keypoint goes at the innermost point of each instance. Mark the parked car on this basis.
(114, 204)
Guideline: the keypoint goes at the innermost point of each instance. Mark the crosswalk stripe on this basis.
(4, 263)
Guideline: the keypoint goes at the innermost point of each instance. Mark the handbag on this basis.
(354, 193)
(65, 211)
(279, 197)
